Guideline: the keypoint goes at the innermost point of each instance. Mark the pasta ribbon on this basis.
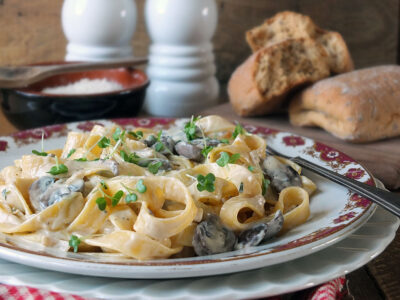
(294, 204)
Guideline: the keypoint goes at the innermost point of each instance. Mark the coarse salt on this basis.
(85, 86)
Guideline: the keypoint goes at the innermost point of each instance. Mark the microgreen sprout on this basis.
(39, 153)
(190, 128)
(58, 168)
(225, 159)
(130, 196)
(72, 151)
(132, 158)
(206, 182)
(74, 242)
(116, 198)
(140, 186)
(154, 167)
(104, 142)
(265, 185)
(224, 141)
(238, 130)
(101, 203)
(118, 134)
(251, 168)
(206, 150)
(137, 135)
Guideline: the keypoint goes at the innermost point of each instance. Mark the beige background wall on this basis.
(30, 31)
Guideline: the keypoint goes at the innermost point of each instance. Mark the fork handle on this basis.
(389, 201)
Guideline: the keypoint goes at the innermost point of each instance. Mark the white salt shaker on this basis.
(99, 29)
(181, 62)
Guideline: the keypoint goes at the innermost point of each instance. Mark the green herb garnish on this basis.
(39, 153)
(141, 188)
(71, 152)
(238, 130)
(81, 159)
(104, 142)
(206, 182)
(206, 150)
(130, 198)
(224, 141)
(137, 135)
(101, 203)
(132, 158)
(119, 134)
(117, 196)
(225, 159)
(159, 146)
(74, 242)
(154, 167)
(190, 128)
(251, 168)
(58, 168)
(265, 185)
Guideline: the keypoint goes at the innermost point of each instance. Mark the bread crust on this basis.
(288, 24)
(359, 106)
(244, 92)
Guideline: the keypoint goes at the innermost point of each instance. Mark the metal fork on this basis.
(389, 201)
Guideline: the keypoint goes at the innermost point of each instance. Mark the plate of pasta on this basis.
(168, 198)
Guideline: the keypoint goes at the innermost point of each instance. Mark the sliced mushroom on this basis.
(212, 237)
(261, 232)
(145, 162)
(281, 175)
(169, 143)
(189, 150)
(150, 140)
(201, 142)
(44, 192)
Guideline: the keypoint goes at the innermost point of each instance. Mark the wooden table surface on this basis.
(380, 279)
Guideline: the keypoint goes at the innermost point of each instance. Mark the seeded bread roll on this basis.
(289, 24)
(359, 106)
(261, 83)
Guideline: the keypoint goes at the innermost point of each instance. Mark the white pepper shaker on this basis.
(99, 29)
(181, 62)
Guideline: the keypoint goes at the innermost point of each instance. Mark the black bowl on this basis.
(30, 107)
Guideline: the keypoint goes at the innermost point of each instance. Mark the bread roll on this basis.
(287, 24)
(359, 106)
(261, 83)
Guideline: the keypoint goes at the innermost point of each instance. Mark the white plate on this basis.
(337, 260)
(335, 213)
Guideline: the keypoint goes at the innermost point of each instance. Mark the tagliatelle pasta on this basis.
(196, 188)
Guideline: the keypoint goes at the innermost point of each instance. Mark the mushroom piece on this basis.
(212, 237)
(145, 162)
(261, 232)
(45, 191)
(281, 175)
(150, 140)
(210, 142)
(189, 150)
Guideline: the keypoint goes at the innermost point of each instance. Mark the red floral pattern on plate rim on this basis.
(327, 154)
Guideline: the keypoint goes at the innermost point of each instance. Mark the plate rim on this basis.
(180, 263)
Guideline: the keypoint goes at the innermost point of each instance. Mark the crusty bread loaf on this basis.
(261, 83)
(289, 24)
(359, 106)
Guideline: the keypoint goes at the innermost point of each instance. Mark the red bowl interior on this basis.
(128, 78)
